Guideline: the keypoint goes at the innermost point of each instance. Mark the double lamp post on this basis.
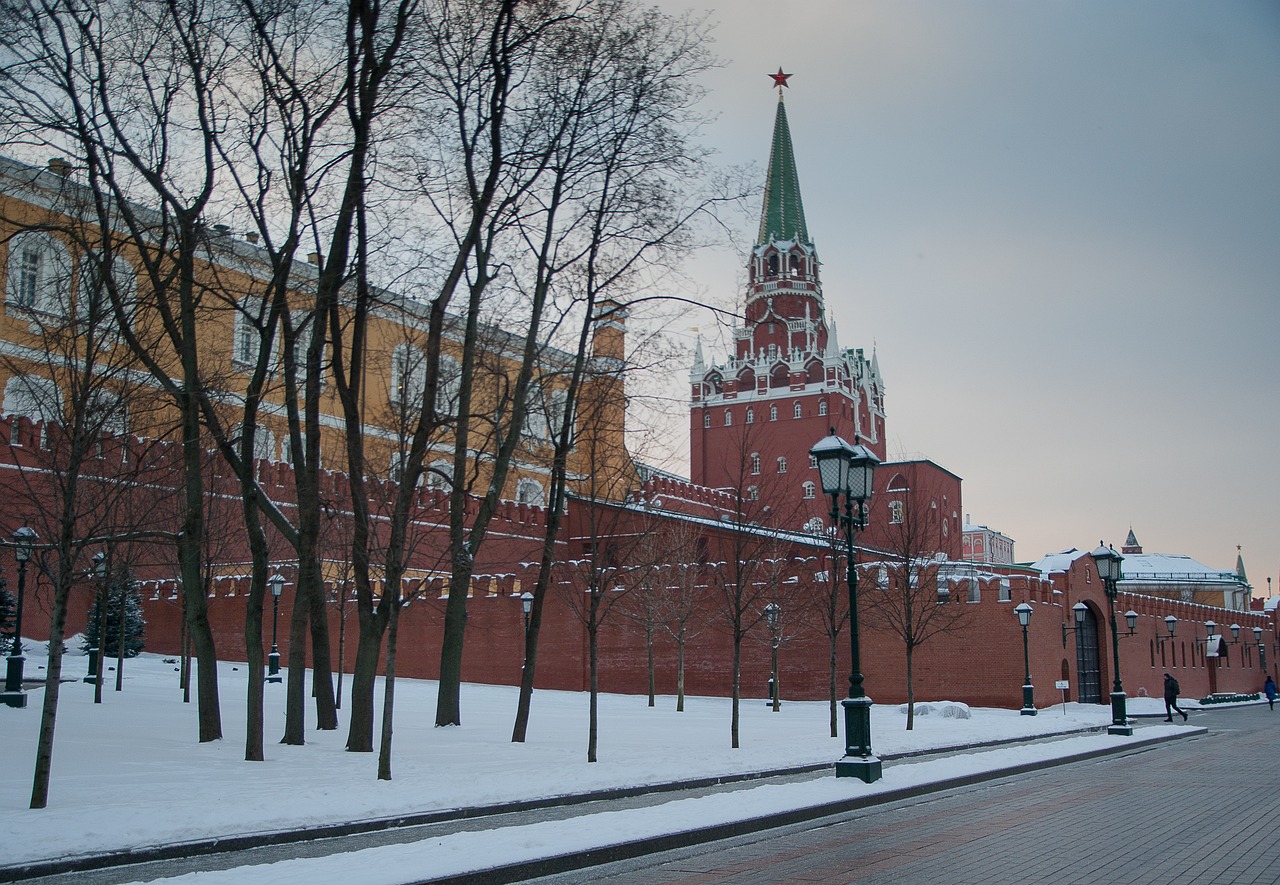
(847, 471)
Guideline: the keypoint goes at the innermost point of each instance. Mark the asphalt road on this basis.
(1200, 810)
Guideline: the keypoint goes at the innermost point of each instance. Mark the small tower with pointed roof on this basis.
(1131, 544)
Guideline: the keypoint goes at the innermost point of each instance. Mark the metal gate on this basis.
(1088, 675)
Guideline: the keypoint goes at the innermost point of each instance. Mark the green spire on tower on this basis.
(783, 214)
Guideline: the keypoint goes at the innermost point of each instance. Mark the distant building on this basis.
(983, 544)
(1171, 576)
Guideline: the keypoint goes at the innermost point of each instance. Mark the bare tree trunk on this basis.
(648, 645)
(321, 658)
(680, 674)
(295, 733)
(388, 694)
(124, 589)
(368, 652)
(911, 694)
(593, 729)
(833, 687)
(53, 682)
(342, 642)
(737, 680)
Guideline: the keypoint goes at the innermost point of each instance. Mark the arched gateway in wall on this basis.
(1088, 670)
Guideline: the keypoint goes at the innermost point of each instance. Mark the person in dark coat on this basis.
(1269, 688)
(1171, 692)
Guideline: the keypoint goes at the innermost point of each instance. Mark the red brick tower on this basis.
(754, 416)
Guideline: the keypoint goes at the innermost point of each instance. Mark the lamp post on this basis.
(24, 539)
(1028, 692)
(276, 583)
(1078, 611)
(848, 470)
(94, 676)
(1108, 562)
(526, 606)
(126, 587)
(1171, 625)
(1257, 637)
(771, 614)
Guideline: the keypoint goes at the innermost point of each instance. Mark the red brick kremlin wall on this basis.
(981, 665)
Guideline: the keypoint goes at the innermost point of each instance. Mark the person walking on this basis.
(1171, 692)
(1269, 688)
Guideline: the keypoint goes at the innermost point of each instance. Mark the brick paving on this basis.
(1203, 810)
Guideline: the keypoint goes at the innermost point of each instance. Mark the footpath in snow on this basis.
(130, 774)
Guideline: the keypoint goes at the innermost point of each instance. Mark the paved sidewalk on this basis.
(341, 839)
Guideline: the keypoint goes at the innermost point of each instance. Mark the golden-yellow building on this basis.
(60, 315)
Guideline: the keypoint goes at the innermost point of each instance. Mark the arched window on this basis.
(815, 526)
(93, 295)
(782, 464)
(771, 263)
(755, 463)
(706, 419)
(728, 418)
(751, 415)
(773, 413)
(447, 386)
(245, 336)
(753, 493)
(897, 512)
(808, 490)
(822, 407)
(529, 491)
(440, 476)
(536, 423)
(813, 462)
(30, 396)
(38, 275)
(106, 412)
(408, 375)
(798, 409)
(559, 405)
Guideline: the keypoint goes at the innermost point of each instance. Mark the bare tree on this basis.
(829, 607)
(85, 480)
(745, 576)
(127, 87)
(667, 597)
(906, 597)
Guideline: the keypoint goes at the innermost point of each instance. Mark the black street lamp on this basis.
(1028, 693)
(1078, 611)
(276, 583)
(526, 606)
(1108, 562)
(848, 470)
(771, 614)
(94, 676)
(24, 538)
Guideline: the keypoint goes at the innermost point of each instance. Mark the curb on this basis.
(243, 842)
(564, 863)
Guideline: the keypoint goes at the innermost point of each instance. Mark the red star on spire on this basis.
(780, 79)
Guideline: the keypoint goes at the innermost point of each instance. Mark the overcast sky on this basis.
(1059, 224)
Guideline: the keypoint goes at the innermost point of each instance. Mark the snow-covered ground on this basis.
(130, 773)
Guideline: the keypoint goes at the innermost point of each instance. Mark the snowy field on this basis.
(130, 773)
